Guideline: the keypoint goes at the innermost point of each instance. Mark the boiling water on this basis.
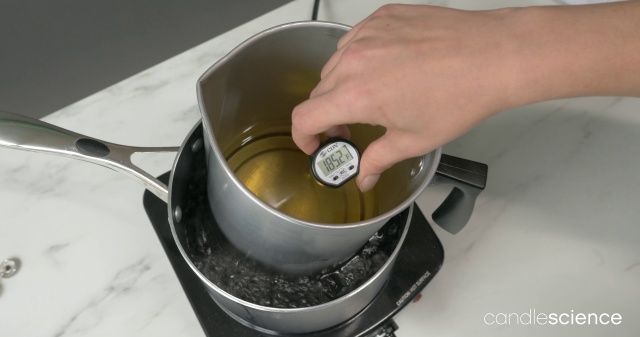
(245, 278)
(271, 166)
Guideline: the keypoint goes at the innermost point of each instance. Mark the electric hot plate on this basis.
(419, 260)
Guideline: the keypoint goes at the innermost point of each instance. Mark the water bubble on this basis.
(247, 279)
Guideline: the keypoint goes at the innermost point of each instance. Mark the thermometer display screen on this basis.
(335, 160)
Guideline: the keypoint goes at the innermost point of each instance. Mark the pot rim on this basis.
(207, 130)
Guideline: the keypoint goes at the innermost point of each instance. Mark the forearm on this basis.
(571, 51)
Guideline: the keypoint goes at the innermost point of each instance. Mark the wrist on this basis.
(523, 52)
(571, 51)
(541, 64)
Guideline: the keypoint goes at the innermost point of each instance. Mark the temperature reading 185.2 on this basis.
(335, 162)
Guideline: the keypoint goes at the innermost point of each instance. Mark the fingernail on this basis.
(332, 132)
(338, 131)
(368, 182)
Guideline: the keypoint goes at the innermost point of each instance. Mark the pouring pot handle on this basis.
(468, 178)
(23, 133)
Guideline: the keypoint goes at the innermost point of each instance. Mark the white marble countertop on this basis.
(557, 229)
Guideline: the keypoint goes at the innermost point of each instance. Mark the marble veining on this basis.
(556, 228)
(123, 283)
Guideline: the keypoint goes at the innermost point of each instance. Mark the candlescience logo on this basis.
(536, 318)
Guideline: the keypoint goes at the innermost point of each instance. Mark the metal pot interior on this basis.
(251, 92)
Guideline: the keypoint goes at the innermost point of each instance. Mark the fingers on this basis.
(380, 155)
(324, 86)
(343, 42)
(319, 115)
(341, 131)
(331, 64)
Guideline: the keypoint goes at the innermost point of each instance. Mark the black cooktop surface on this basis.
(419, 260)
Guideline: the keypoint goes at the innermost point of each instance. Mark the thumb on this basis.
(380, 155)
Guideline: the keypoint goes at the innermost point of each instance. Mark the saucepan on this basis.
(24, 133)
(28, 134)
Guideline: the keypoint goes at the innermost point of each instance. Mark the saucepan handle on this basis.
(468, 178)
(23, 133)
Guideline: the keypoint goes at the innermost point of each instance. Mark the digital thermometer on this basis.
(335, 162)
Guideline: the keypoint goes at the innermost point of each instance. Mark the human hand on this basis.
(427, 74)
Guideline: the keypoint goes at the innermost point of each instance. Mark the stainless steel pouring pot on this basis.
(256, 86)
